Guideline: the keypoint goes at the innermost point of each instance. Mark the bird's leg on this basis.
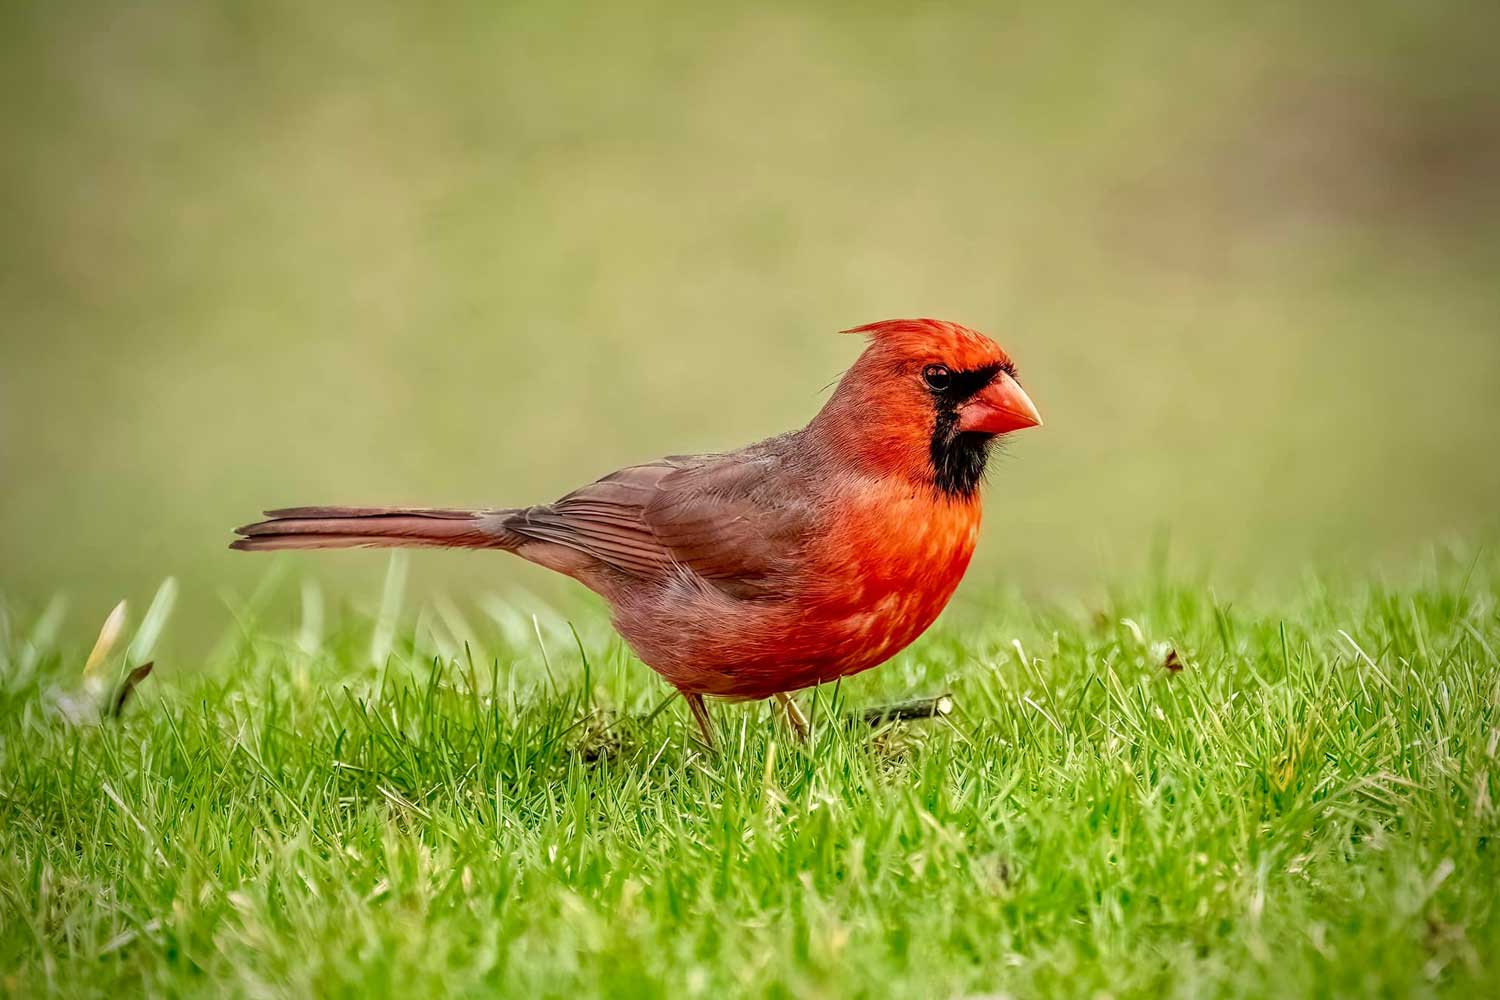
(700, 715)
(794, 716)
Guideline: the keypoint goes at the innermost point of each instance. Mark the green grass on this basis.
(1306, 808)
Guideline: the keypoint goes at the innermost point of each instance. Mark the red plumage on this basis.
(810, 556)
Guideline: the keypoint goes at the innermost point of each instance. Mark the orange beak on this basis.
(1001, 407)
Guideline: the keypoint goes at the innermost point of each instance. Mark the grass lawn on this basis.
(1306, 807)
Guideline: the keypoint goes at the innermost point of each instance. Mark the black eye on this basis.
(937, 377)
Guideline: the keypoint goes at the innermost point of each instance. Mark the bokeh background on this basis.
(1247, 257)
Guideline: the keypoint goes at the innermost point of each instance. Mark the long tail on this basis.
(377, 527)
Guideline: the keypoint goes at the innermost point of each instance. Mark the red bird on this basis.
(810, 556)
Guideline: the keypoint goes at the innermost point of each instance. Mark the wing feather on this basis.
(734, 520)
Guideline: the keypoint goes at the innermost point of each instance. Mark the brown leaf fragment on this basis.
(1173, 663)
(127, 686)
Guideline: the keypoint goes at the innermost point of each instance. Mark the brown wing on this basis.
(735, 520)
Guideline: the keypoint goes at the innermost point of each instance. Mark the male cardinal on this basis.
(749, 574)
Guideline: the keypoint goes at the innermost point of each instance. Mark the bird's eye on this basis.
(937, 377)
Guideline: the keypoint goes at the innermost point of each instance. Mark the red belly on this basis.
(867, 597)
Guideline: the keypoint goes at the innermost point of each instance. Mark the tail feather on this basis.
(451, 513)
(376, 527)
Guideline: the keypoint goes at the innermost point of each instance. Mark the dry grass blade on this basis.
(109, 634)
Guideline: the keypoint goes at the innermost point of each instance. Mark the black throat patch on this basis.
(959, 459)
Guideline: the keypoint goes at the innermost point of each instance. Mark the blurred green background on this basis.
(265, 254)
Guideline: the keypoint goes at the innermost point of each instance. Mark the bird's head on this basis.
(926, 400)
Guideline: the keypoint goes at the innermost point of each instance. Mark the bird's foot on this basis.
(794, 717)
